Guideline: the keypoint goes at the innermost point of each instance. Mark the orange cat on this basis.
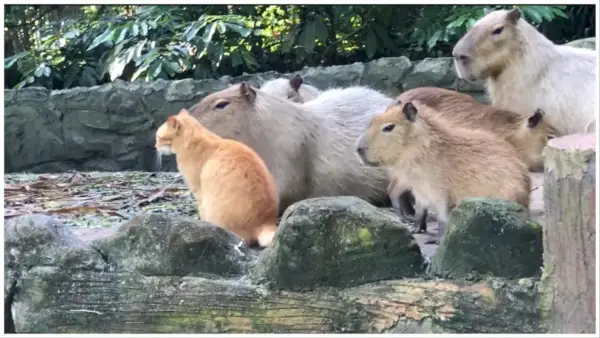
(231, 184)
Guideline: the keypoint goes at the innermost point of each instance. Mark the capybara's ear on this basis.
(247, 91)
(184, 112)
(536, 118)
(514, 15)
(173, 122)
(410, 112)
(296, 82)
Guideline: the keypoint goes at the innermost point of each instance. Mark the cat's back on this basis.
(236, 167)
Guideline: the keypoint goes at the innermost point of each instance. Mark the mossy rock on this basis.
(489, 237)
(158, 245)
(337, 241)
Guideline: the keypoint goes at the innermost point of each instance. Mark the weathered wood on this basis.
(569, 278)
(52, 300)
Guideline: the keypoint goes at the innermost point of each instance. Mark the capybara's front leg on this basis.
(402, 201)
(420, 225)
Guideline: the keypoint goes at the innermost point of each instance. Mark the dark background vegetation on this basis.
(60, 46)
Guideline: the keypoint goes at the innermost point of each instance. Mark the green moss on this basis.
(365, 238)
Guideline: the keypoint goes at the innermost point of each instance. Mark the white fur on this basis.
(561, 80)
(165, 150)
(281, 88)
(265, 238)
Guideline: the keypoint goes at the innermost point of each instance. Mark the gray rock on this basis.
(334, 76)
(337, 241)
(587, 43)
(41, 240)
(386, 74)
(489, 237)
(157, 245)
(438, 72)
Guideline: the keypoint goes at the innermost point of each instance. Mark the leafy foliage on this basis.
(90, 45)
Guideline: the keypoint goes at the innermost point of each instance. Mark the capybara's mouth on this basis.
(366, 161)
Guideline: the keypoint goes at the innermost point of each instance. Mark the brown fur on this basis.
(525, 71)
(443, 164)
(529, 134)
(231, 184)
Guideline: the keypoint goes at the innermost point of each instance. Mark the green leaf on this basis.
(236, 59)
(321, 32)
(171, 67)
(532, 13)
(383, 36)
(208, 33)
(30, 79)
(47, 71)
(470, 23)
(70, 75)
(88, 77)
(122, 35)
(39, 70)
(116, 68)
(249, 59)
(221, 27)
(191, 31)
(100, 39)
(135, 29)
(11, 60)
(155, 68)
(144, 28)
(138, 49)
(559, 12)
(370, 43)
(289, 41)
(243, 31)
(139, 72)
(546, 13)
(434, 39)
(308, 35)
(220, 51)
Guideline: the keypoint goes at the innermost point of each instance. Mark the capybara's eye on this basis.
(497, 30)
(388, 128)
(221, 105)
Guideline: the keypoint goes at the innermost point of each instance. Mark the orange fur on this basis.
(231, 184)
(443, 164)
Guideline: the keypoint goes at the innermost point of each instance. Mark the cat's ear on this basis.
(247, 92)
(296, 82)
(184, 112)
(173, 122)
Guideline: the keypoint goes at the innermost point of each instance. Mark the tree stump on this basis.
(569, 278)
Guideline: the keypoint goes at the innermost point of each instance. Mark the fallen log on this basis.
(569, 280)
(58, 301)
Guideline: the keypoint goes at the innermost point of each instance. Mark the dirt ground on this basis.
(74, 198)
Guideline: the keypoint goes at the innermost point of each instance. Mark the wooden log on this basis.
(569, 279)
(53, 300)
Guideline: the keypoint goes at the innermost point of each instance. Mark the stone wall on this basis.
(111, 127)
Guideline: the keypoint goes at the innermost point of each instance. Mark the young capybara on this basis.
(442, 164)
